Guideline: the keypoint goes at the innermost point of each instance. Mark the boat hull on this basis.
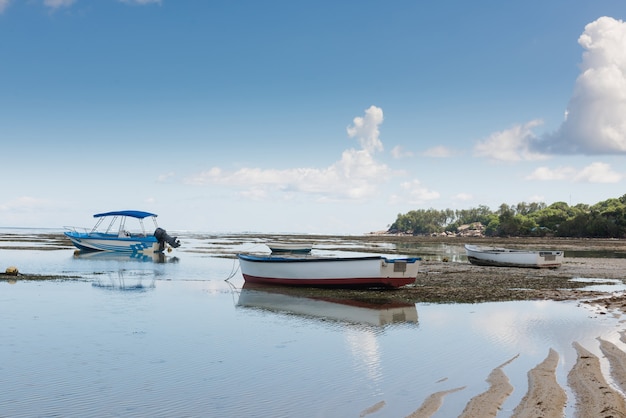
(110, 242)
(334, 272)
(502, 257)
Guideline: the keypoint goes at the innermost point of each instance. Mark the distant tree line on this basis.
(606, 219)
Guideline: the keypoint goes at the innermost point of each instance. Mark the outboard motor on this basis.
(163, 238)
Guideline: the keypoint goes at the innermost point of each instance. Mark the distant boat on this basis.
(116, 237)
(369, 271)
(504, 257)
(326, 307)
(290, 247)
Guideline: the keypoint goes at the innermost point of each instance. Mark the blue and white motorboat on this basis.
(118, 236)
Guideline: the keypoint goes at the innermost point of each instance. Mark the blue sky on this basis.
(306, 117)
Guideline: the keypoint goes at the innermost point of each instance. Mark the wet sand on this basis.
(594, 396)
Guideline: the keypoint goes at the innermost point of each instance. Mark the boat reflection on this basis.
(122, 280)
(117, 256)
(326, 306)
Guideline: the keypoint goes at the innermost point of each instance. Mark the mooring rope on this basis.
(233, 270)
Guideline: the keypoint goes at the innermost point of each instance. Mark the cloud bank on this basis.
(357, 175)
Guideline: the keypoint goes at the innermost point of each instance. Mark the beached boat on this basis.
(290, 247)
(116, 235)
(325, 306)
(368, 271)
(505, 257)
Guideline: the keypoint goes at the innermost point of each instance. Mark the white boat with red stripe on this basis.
(311, 270)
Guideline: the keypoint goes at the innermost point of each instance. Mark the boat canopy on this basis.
(132, 213)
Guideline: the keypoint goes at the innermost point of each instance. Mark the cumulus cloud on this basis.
(594, 173)
(595, 122)
(513, 144)
(365, 129)
(357, 175)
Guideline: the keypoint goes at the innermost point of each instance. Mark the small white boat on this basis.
(504, 257)
(119, 237)
(290, 247)
(368, 271)
(327, 308)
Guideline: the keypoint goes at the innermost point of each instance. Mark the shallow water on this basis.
(140, 337)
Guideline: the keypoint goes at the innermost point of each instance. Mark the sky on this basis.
(320, 117)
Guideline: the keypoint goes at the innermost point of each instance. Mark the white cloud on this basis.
(55, 4)
(438, 152)
(414, 193)
(3, 5)
(399, 152)
(545, 173)
(510, 145)
(594, 173)
(357, 175)
(598, 173)
(366, 129)
(595, 122)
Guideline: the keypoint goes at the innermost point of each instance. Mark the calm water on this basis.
(173, 338)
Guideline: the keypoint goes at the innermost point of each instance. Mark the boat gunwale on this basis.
(109, 236)
(299, 259)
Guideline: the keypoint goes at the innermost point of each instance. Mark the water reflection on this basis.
(122, 280)
(326, 306)
(115, 256)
